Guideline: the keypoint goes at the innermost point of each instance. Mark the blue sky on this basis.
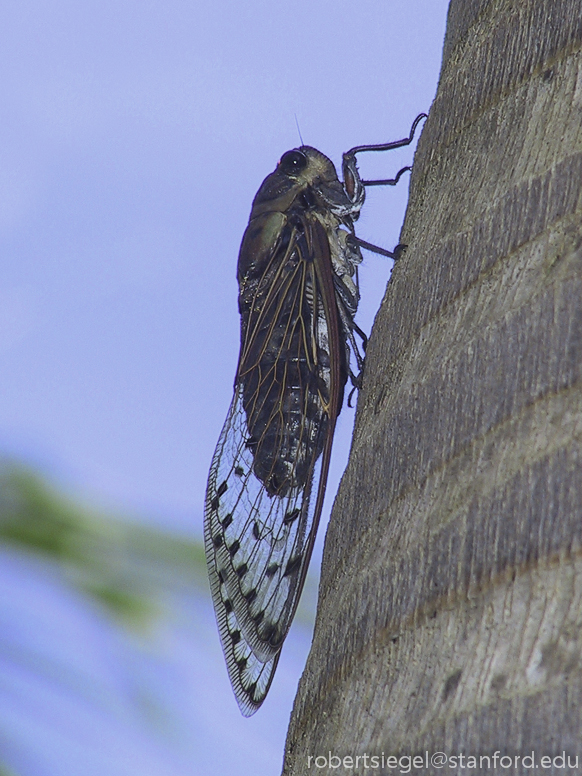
(133, 138)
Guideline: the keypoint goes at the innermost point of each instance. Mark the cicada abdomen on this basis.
(297, 274)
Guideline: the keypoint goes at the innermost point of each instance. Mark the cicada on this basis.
(297, 275)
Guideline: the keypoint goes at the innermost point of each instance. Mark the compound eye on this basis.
(293, 162)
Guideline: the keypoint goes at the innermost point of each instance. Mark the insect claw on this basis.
(370, 247)
(399, 250)
(364, 337)
(356, 381)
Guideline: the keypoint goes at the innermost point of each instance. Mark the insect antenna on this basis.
(298, 129)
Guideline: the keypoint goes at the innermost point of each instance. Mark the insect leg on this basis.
(350, 326)
(374, 248)
(357, 329)
(388, 181)
(389, 146)
(355, 186)
(356, 380)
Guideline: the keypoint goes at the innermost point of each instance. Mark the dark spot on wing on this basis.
(259, 617)
(272, 569)
(227, 605)
(256, 531)
(235, 636)
(227, 521)
(218, 540)
(215, 503)
(234, 548)
(270, 632)
(242, 663)
(242, 570)
(222, 488)
(292, 566)
(291, 516)
(251, 595)
(239, 471)
(221, 577)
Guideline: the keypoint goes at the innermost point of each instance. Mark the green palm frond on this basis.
(124, 565)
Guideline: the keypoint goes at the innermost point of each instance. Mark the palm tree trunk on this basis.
(450, 606)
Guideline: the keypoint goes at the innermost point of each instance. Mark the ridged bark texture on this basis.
(450, 608)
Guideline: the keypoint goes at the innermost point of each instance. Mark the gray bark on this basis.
(450, 606)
